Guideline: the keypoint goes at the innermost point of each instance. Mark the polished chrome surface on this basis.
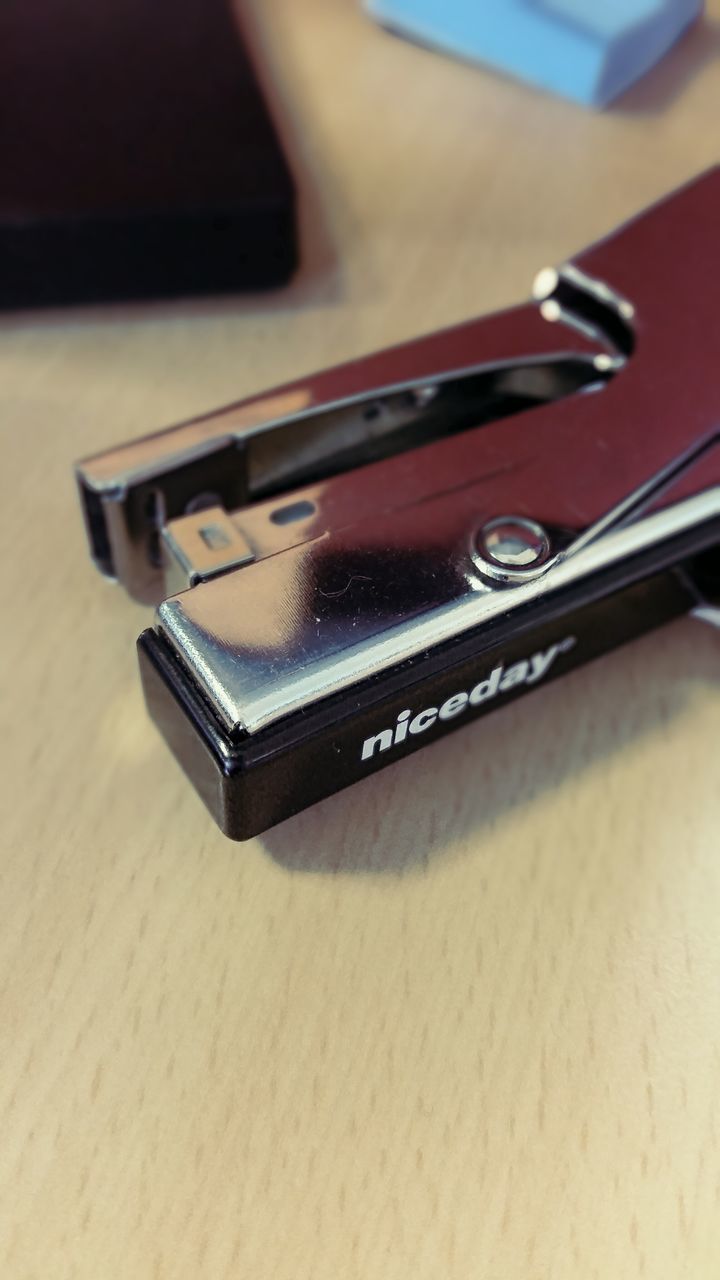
(269, 446)
(151, 456)
(201, 546)
(129, 493)
(632, 504)
(508, 546)
(281, 634)
(404, 455)
(709, 613)
(303, 433)
(591, 306)
(532, 554)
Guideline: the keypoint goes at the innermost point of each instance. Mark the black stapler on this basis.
(355, 564)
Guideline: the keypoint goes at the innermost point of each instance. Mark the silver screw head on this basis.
(513, 542)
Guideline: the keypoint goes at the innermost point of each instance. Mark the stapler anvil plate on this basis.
(353, 565)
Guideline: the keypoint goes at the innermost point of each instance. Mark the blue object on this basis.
(588, 50)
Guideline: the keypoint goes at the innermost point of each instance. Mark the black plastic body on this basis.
(251, 782)
(137, 157)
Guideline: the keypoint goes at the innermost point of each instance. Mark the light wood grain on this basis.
(462, 1021)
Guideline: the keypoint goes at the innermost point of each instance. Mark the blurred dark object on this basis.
(137, 157)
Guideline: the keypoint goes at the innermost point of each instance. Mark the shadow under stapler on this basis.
(422, 807)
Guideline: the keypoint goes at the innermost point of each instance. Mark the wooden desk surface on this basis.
(462, 1021)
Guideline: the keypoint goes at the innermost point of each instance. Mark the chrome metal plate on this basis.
(281, 634)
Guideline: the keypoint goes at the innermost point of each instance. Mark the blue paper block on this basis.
(588, 50)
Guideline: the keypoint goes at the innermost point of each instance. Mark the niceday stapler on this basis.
(353, 565)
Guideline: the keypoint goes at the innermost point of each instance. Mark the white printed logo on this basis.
(500, 680)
